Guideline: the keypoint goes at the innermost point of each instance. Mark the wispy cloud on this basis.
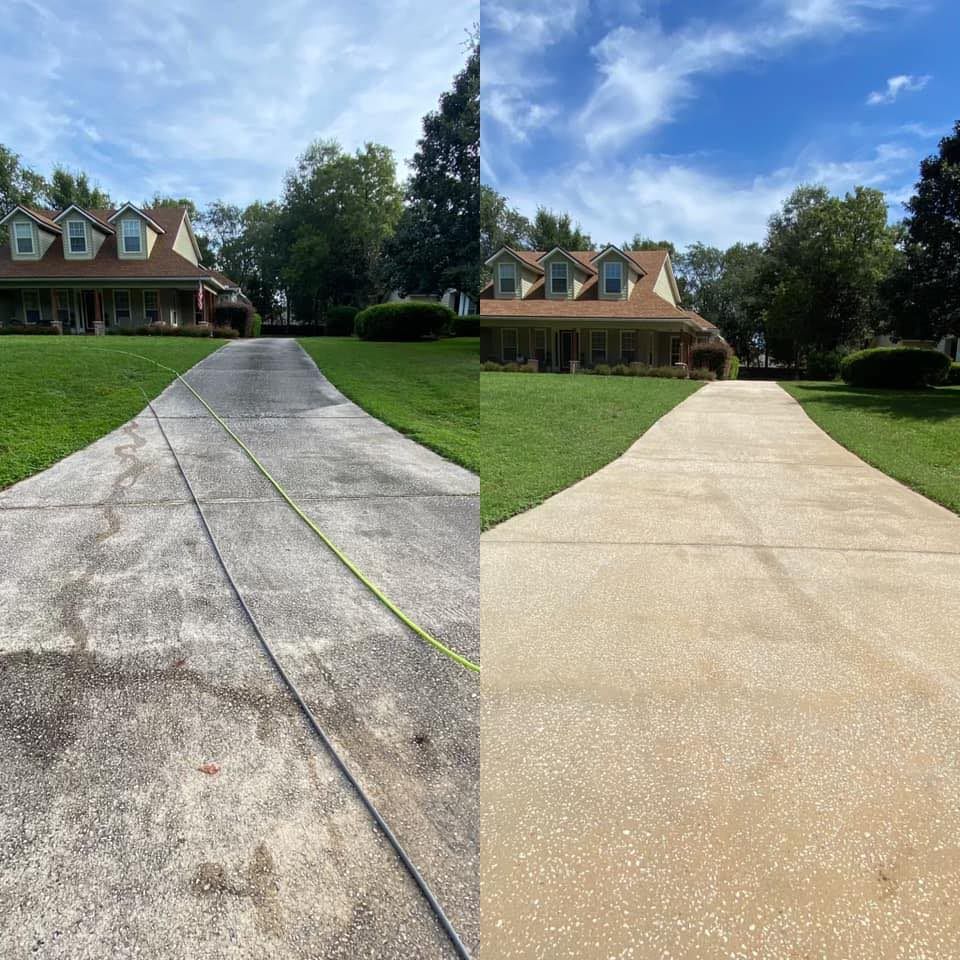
(212, 106)
(902, 83)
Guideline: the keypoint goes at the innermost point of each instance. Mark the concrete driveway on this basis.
(126, 665)
(721, 703)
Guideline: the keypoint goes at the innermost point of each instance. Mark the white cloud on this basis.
(220, 106)
(902, 83)
(678, 199)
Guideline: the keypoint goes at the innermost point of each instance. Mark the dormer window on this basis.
(24, 234)
(78, 236)
(612, 277)
(558, 278)
(131, 236)
(508, 277)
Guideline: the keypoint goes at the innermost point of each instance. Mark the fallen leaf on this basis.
(177, 664)
(211, 769)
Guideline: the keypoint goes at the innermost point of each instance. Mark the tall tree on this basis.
(551, 230)
(66, 188)
(338, 211)
(640, 242)
(18, 183)
(437, 242)
(500, 224)
(925, 288)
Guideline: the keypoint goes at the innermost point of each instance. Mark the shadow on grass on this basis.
(939, 403)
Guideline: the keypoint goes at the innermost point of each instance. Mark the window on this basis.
(558, 278)
(131, 236)
(61, 299)
(598, 346)
(24, 234)
(508, 340)
(612, 277)
(628, 346)
(674, 350)
(78, 236)
(508, 278)
(121, 306)
(540, 345)
(151, 306)
(31, 306)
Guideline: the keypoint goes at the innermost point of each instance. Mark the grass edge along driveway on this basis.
(910, 435)
(543, 432)
(59, 394)
(426, 390)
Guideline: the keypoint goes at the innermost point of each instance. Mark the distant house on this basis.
(950, 344)
(458, 301)
(90, 270)
(607, 306)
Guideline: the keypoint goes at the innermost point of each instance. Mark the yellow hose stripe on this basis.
(337, 552)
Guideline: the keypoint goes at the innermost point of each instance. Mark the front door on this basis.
(88, 299)
(567, 348)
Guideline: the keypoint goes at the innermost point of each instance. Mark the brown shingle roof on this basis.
(163, 262)
(702, 322)
(643, 303)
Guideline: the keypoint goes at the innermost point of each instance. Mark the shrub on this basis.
(402, 320)
(823, 364)
(711, 355)
(491, 366)
(701, 373)
(225, 333)
(667, 373)
(160, 329)
(238, 315)
(620, 370)
(953, 375)
(340, 321)
(31, 330)
(602, 369)
(194, 330)
(511, 367)
(467, 326)
(903, 367)
(734, 372)
(257, 325)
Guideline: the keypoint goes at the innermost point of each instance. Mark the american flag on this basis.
(199, 297)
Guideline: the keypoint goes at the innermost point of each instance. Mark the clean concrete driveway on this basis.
(721, 703)
(126, 665)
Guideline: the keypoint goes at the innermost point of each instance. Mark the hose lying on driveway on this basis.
(415, 874)
(337, 552)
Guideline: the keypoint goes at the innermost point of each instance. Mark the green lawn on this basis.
(426, 390)
(58, 394)
(542, 432)
(912, 435)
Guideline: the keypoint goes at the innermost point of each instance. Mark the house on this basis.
(90, 270)
(607, 306)
(459, 302)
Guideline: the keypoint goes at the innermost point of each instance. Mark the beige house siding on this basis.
(94, 239)
(625, 287)
(41, 240)
(663, 287)
(575, 277)
(183, 245)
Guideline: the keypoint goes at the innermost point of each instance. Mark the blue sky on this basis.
(208, 100)
(692, 121)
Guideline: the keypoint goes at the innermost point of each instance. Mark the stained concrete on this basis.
(126, 666)
(721, 698)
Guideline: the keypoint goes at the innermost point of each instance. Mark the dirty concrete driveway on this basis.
(126, 665)
(721, 703)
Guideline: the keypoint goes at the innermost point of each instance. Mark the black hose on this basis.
(418, 879)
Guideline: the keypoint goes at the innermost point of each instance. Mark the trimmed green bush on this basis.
(823, 365)
(225, 333)
(895, 367)
(467, 325)
(702, 373)
(620, 370)
(734, 373)
(712, 355)
(31, 330)
(667, 373)
(402, 320)
(238, 315)
(953, 375)
(195, 330)
(491, 366)
(257, 324)
(340, 321)
(602, 370)
(511, 368)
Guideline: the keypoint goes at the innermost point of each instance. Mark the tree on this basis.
(825, 260)
(551, 230)
(65, 188)
(924, 291)
(437, 243)
(699, 267)
(18, 183)
(640, 242)
(338, 211)
(500, 224)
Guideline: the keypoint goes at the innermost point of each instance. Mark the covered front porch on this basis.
(81, 308)
(555, 346)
